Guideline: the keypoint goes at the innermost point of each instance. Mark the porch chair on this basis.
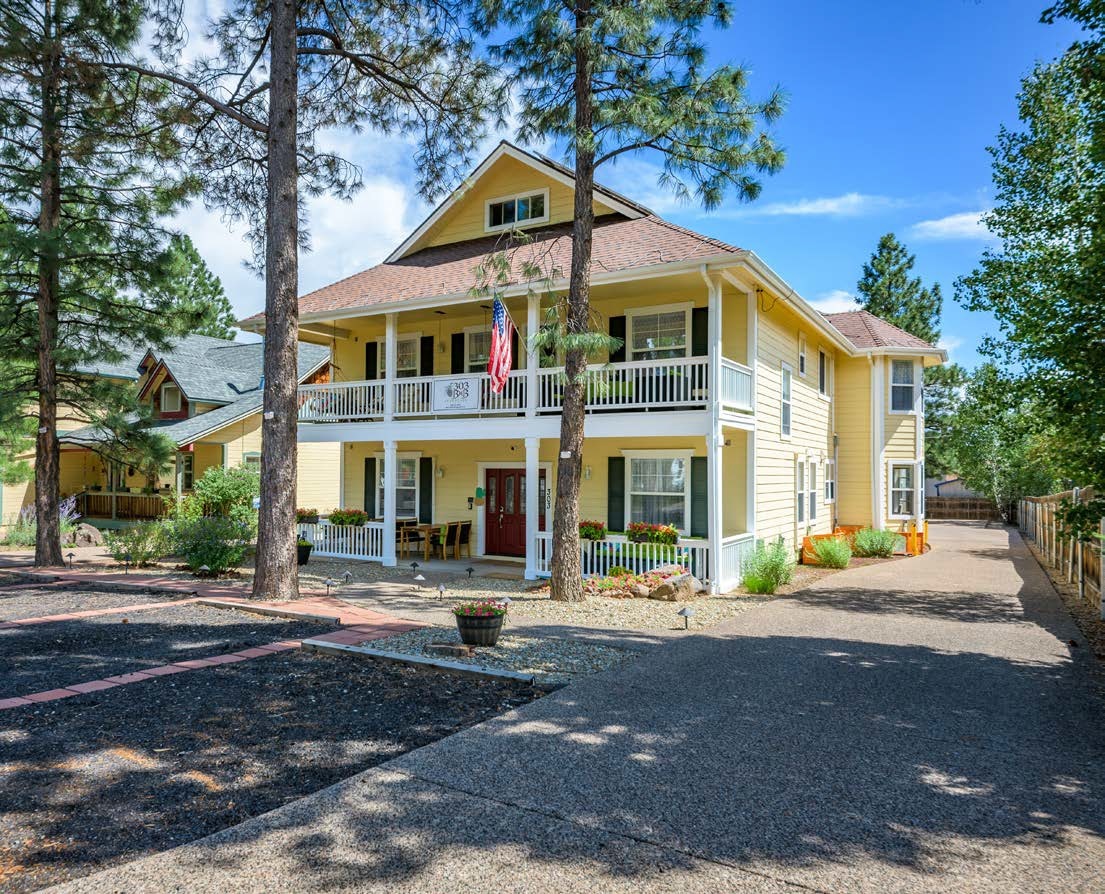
(464, 539)
(407, 532)
(435, 536)
(447, 539)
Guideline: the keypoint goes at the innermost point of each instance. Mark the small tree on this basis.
(606, 79)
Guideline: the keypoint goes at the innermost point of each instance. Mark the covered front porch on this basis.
(474, 501)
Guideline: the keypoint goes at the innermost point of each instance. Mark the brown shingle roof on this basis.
(619, 244)
(865, 330)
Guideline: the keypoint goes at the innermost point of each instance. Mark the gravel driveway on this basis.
(931, 725)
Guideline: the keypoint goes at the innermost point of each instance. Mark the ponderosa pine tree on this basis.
(82, 188)
(606, 79)
(284, 70)
(889, 290)
(198, 291)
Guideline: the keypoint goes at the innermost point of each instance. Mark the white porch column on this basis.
(389, 367)
(715, 443)
(533, 515)
(390, 472)
(532, 361)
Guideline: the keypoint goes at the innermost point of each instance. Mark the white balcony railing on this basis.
(597, 557)
(734, 551)
(680, 383)
(341, 402)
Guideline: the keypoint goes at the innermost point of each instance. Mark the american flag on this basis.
(500, 359)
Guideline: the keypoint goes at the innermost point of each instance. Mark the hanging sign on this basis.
(458, 393)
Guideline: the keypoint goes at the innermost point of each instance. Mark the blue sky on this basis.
(890, 108)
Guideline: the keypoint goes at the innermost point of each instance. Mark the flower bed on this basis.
(624, 585)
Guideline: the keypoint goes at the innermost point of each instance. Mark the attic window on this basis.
(510, 211)
(170, 398)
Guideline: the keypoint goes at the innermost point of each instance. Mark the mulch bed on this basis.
(31, 602)
(101, 779)
(40, 657)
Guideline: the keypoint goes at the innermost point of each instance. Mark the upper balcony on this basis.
(681, 383)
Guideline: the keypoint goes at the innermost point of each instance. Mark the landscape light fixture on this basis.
(347, 577)
(69, 555)
(330, 582)
(469, 569)
(126, 563)
(441, 591)
(203, 571)
(686, 613)
(414, 568)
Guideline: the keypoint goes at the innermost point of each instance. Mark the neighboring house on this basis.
(206, 395)
(734, 411)
(950, 486)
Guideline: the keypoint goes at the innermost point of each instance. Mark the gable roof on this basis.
(223, 361)
(619, 244)
(865, 331)
(540, 163)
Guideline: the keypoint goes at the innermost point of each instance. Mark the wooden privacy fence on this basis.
(961, 508)
(1078, 560)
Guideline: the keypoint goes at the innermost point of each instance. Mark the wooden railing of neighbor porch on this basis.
(1077, 560)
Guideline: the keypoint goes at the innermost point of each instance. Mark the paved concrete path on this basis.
(917, 726)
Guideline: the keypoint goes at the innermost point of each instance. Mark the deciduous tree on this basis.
(605, 79)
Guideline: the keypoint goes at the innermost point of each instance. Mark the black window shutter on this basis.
(370, 486)
(371, 360)
(426, 356)
(700, 331)
(425, 490)
(615, 493)
(617, 330)
(458, 352)
(700, 500)
(514, 349)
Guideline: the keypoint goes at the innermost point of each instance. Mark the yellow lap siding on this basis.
(318, 484)
(853, 422)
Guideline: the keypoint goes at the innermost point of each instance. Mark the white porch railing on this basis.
(346, 541)
(341, 401)
(597, 557)
(736, 386)
(679, 383)
(734, 551)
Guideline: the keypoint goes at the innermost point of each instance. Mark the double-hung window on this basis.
(406, 487)
(406, 357)
(659, 336)
(800, 489)
(830, 481)
(813, 490)
(509, 211)
(902, 386)
(801, 354)
(786, 407)
(187, 470)
(170, 398)
(659, 490)
(477, 349)
(252, 461)
(824, 373)
(902, 490)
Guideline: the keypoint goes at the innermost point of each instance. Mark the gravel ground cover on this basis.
(40, 657)
(552, 660)
(104, 778)
(35, 602)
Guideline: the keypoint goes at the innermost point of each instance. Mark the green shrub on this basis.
(833, 553)
(23, 532)
(870, 542)
(228, 493)
(768, 567)
(139, 545)
(618, 571)
(217, 542)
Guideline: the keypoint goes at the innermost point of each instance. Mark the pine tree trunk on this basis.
(47, 454)
(566, 584)
(276, 571)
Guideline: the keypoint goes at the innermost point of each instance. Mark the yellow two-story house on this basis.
(733, 411)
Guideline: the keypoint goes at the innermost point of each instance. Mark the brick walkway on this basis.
(357, 624)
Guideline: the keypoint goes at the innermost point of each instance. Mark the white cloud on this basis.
(851, 204)
(835, 301)
(950, 343)
(964, 225)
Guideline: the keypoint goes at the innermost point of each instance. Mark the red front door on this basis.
(505, 525)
